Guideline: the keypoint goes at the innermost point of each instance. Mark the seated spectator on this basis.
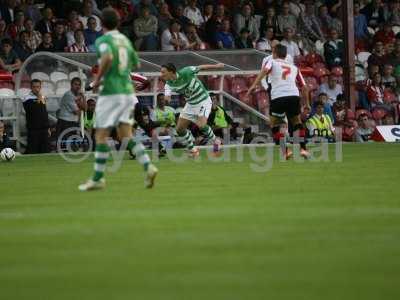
(46, 24)
(74, 26)
(193, 13)
(70, 105)
(322, 97)
(47, 44)
(145, 28)
(218, 119)
(309, 28)
(394, 57)
(91, 34)
(388, 79)
(285, 19)
(213, 25)
(87, 12)
(327, 22)
(37, 119)
(79, 45)
(164, 115)
(267, 41)
(3, 30)
(269, 20)
(360, 23)
(246, 19)
(375, 90)
(320, 124)
(9, 60)
(4, 139)
(173, 39)
(224, 37)
(208, 12)
(178, 15)
(392, 12)
(291, 45)
(243, 41)
(331, 88)
(385, 35)
(149, 3)
(333, 50)
(378, 55)
(34, 37)
(22, 48)
(374, 13)
(164, 18)
(59, 38)
(296, 8)
(342, 119)
(364, 130)
(18, 25)
(195, 43)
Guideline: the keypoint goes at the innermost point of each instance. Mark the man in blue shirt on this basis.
(224, 36)
(91, 34)
(360, 23)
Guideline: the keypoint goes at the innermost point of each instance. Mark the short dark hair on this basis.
(22, 32)
(76, 79)
(6, 41)
(91, 18)
(170, 67)
(281, 51)
(322, 94)
(35, 81)
(110, 18)
(159, 95)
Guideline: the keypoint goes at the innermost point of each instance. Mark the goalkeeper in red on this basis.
(116, 100)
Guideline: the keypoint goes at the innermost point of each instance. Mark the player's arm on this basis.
(264, 72)
(167, 93)
(210, 67)
(304, 89)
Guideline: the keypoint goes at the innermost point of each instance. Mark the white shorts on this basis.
(114, 109)
(193, 112)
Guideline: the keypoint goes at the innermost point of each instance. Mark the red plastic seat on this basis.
(378, 113)
(351, 115)
(337, 71)
(320, 72)
(213, 82)
(7, 85)
(247, 100)
(307, 71)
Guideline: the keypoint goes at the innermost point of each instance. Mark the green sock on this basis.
(137, 148)
(207, 131)
(100, 155)
(188, 139)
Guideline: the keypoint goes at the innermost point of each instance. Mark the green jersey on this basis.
(188, 85)
(117, 79)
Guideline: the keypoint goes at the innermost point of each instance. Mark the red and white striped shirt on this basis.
(76, 48)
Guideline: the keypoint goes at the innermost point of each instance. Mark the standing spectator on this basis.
(243, 41)
(17, 26)
(22, 48)
(292, 46)
(9, 60)
(145, 28)
(180, 17)
(378, 55)
(360, 23)
(333, 49)
(69, 112)
(149, 4)
(34, 37)
(385, 35)
(224, 36)
(195, 43)
(193, 13)
(46, 24)
(208, 11)
(374, 13)
(4, 140)
(269, 20)
(164, 18)
(394, 57)
(91, 34)
(331, 88)
(59, 38)
(3, 30)
(267, 41)
(37, 119)
(388, 79)
(79, 45)
(213, 25)
(47, 44)
(87, 12)
(7, 11)
(285, 19)
(364, 129)
(172, 39)
(246, 19)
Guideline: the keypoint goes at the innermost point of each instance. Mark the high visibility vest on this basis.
(166, 117)
(89, 123)
(323, 128)
(219, 120)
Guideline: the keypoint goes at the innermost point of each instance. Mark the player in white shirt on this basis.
(266, 82)
(285, 96)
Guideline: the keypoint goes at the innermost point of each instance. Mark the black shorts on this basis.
(289, 106)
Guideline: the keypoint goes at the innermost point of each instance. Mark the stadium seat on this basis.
(378, 113)
(319, 47)
(7, 85)
(314, 58)
(213, 82)
(61, 91)
(262, 101)
(6, 92)
(40, 76)
(396, 29)
(73, 74)
(22, 92)
(350, 114)
(64, 83)
(239, 85)
(307, 71)
(247, 100)
(362, 57)
(300, 61)
(312, 83)
(389, 96)
(56, 76)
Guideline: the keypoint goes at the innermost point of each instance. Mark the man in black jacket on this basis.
(37, 120)
(4, 140)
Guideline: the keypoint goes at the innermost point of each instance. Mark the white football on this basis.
(7, 154)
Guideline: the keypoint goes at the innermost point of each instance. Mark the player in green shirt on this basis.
(116, 100)
(198, 102)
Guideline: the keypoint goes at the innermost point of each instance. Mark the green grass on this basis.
(328, 230)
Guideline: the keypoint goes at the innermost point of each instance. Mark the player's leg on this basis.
(293, 113)
(203, 111)
(184, 133)
(277, 118)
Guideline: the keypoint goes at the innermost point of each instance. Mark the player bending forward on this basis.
(285, 97)
(116, 100)
(198, 102)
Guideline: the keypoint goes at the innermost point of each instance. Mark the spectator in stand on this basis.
(309, 25)
(18, 25)
(87, 12)
(218, 119)
(320, 124)
(37, 119)
(70, 105)
(195, 43)
(46, 24)
(208, 11)
(341, 113)
(331, 88)
(9, 60)
(74, 26)
(327, 22)
(193, 13)
(3, 30)
(7, 10)
(22, 48)
(269, 20)
(333, 50)
(267, 41)
(4, 140)
(59, 37)
(378, 55)
(243, 41)
(392, 12)
(375, 90)
(72, 17)
(285, 19)
(246, 19)
(374, 13)
(394, 57)
(173, 39)
(360, 23)
(214, 25)
(292, 47)
(79, 45)
(388, 79)
(296, 8)
(47, 44)
(385, 35)
(364, 129)
(34, 37)
(323, 97)
(178, 15)
(91, 34)
(32, 11)
(164, 18)
(224, 36)
(149, 4)
(145, 28)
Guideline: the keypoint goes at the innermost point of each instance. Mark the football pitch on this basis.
(208, 230)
